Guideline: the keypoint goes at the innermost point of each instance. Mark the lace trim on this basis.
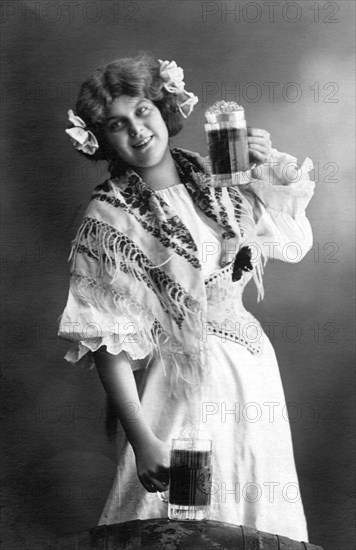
(255, 347)
(241, 322)
(218, 274)
(83, 349)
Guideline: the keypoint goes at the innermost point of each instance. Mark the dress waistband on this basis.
(227, 317)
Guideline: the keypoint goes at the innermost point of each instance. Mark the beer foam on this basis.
(221, 107)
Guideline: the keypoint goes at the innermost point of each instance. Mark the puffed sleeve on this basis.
(279, 196)
(91, 320)
(103, 310)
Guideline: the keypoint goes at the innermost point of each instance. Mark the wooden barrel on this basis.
(163, 534)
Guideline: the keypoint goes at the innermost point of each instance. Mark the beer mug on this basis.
(226, 136)
(190, 479)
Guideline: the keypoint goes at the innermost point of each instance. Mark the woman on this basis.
(158, 269)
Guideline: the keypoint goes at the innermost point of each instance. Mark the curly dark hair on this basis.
(131, 76)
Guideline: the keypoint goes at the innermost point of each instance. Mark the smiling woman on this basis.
(137, 133)
(132, 78)
(157, 314)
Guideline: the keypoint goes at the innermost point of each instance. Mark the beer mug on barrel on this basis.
(190, 478)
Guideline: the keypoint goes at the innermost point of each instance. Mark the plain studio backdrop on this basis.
(290, 64)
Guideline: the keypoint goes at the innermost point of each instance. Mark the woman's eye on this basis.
(117, 125)
(142, 110)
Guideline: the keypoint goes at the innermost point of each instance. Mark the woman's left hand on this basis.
(259, 145)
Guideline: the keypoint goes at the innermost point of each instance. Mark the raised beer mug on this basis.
(226, 136)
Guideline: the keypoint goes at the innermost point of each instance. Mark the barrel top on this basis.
(165, 534)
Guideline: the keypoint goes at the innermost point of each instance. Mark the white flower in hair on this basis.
(173, 82)
(172, 76)
(82, 139)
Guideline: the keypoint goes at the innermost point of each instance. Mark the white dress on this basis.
(241, 404)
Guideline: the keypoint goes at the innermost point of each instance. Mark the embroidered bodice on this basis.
(227, 317)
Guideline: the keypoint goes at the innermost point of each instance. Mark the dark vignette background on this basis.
(58, 464)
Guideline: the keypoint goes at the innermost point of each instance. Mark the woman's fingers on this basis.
(161, 474)
(259, 147)
(152, 463)
(152, 485)
(258, 132)
(257, 157)
(160, 486)
(259, 140)
(157, 481)
(148, 485)
(259, 144)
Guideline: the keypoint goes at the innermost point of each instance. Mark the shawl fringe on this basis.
(115, 253)
(153, 340)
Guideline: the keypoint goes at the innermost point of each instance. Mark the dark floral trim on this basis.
(194, 180)
(168, 229)
(236, 202)
(154, 228)
(155, 278)
(207, 198)
(223, 214)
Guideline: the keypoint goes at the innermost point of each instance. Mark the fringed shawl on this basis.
(134, 262)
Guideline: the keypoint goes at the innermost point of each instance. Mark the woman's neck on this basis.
(161, 176)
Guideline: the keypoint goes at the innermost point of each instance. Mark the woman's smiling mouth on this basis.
(142, 143)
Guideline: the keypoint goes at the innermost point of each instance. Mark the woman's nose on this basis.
(134, 129)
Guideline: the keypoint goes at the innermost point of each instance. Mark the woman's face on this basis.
(136, 131)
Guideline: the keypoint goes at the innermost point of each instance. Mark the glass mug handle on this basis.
(163, 496)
